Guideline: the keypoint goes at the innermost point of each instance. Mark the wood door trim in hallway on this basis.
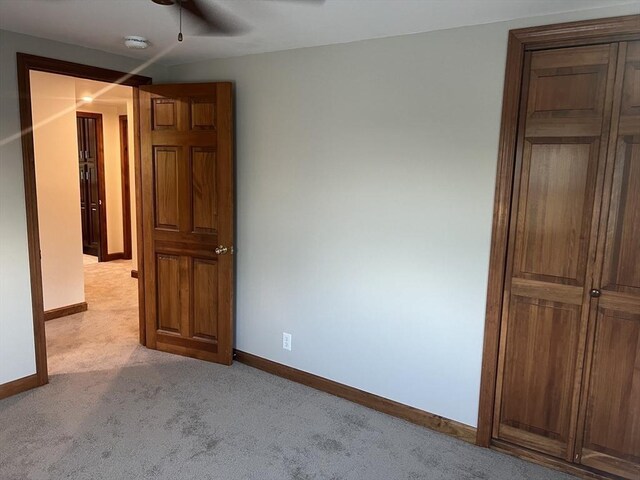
(25, 64)
(520, 41)
(125, 182)
(102, 191)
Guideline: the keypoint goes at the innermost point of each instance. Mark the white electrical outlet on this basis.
(286, 341)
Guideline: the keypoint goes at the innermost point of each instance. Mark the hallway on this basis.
(104, 335)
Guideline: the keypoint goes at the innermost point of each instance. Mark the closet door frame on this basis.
(608, 30)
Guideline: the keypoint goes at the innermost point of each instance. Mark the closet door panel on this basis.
(566, 99)
(622, 262)
(611, 434)
(541, 348)
(555, 211)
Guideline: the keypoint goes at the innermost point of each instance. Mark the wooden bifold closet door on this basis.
(568, 381)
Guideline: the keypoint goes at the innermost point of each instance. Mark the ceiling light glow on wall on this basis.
(87, 99)
(133, 41)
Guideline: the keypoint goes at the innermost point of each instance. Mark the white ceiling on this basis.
(275, 24)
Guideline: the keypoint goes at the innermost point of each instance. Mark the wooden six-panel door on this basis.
(187, 203)
(561, 155)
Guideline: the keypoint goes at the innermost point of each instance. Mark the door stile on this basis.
(599, 253)
(148, 214)
(226, 216)
(515, 196)
(623, 304)
(591, 269)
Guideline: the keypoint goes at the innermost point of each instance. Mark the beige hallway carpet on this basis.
(115, 410)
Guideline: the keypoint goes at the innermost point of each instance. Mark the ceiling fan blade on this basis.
(317, 2)
(216, 19)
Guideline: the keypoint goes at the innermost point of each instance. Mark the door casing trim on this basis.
(26, 63)
(606, 30)
(125, 182)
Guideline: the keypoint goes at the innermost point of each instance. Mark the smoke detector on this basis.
(135, 42)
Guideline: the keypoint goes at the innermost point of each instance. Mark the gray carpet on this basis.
(115, 410)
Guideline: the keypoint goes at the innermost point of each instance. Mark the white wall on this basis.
(17, 354)
(55, 138)
(365, 177)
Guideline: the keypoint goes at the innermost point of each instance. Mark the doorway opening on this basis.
(80, 137)
(89, 104)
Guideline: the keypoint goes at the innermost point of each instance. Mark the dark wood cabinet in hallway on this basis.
(90, 169)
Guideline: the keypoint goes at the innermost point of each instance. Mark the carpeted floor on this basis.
(115, 410)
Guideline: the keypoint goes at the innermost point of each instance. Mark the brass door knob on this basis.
(221, 250)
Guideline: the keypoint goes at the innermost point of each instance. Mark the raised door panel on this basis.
(556, 204)
(566, 101)
(204, 202)
(204, 321)
(168, 273)
(612, 433)
(166, 191)
(91, 146)
(93, 204)
(83, 206)
(538, 375)
(567, 91)
(203, 113)
(610, 419)
(186, 147)
(81, 137)
(631, 87)
(164, 113)
(622, 261)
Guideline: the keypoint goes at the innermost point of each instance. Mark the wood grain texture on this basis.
(375, 402)
(18, 386)
(26, 63)
(113, 256)
(140, 241)
(521, 40)
(499, 236)
(96, 193)
(125, 183)
(547, 461)
(187, 188)
(537, 388)
(553, 233)
(584, 32)
(203, 193)
(609, 421)
(556, 197)
(65, 311)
